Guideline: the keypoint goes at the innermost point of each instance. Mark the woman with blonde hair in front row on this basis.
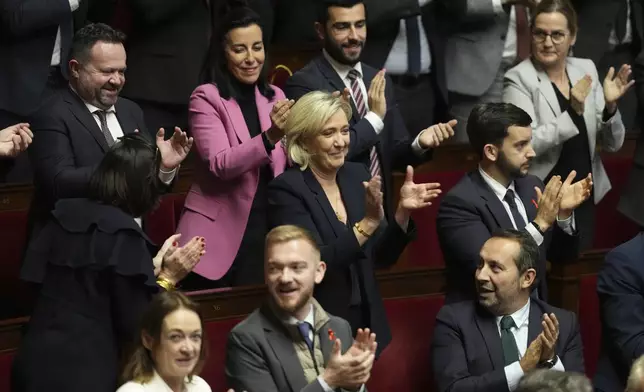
(169, 353)
(342, 207)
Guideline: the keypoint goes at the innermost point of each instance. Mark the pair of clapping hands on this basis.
(173, 262)
(559, 199)
(615, 86)
(543, 347)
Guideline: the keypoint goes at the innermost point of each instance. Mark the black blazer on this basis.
(620, 285)
(166, 49)
(596, 21)
(94, 266)
(296, 198)
(393, 144)
(382, 38)
(68, 145)
(467, 354)
(468, 215)
(27, 43)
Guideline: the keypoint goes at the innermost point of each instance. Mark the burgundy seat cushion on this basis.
(425, 250)
(405, 364)
(589, 322)
(162, 222)
(611, 227)
(5, 370)
(217, 335)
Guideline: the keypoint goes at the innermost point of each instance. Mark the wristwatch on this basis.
(549, 364)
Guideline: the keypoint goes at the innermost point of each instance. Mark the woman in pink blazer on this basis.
(236, 120)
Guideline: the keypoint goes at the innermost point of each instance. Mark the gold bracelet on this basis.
(165, 284)
(364, 233)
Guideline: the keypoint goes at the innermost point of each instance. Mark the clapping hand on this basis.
(435, 135)
(579, 92)
(15, 139)
(174, 150)
(364, 341)
(346, 94)
(279, 115)
(376, 94)
(574, 194)
(414, 196)
(615, 86)
(179, 261)
(549, 337)
(374, 209)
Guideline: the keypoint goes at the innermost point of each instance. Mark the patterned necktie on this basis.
(305, 330)
(102, 115)
(519, 222)
(359, 99)
(510, 350)
(523, 32)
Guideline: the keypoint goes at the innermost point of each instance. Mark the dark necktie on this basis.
(412, 29)
(510, 350)
(305, 330)
(523, 32)
(516, 215)
(102, 115)
(354, 76)
(621, 21)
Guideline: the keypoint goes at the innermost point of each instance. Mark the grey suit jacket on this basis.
(260, 356)
(474, 48)
(530, 89)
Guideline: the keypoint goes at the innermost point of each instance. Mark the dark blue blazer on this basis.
(467, 355)
(620, 286)
(296, 198)
(393, 143)
(470, 213)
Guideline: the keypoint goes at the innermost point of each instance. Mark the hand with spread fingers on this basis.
(413, 197)
(436, 134)
(376, 95)
(179, 261)
(579, 92)
(174, 150)
(548, 203)
(549, 337)
(574, 194)
(615, 86)
(15, 139)
(365, 341)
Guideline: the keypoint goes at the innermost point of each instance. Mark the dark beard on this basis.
(335, 51)
(506, 167)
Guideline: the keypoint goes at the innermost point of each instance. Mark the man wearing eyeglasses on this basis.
(487, 38)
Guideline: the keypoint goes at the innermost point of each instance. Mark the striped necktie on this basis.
(361, 105)
(102, 115)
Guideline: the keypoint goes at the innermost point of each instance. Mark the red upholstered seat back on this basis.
(589, 322)
(405, 364)
(611, 227)
(5, 370)
(162, 222)
(217, 335)
(425, 251)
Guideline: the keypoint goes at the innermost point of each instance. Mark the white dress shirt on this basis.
(376, 122)
(310, 318)
(510, 49)
(55, 56)
(514, 372)
(567, 225)
(156, 384)
(397, 61)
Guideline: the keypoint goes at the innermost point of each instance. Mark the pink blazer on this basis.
(218, 203)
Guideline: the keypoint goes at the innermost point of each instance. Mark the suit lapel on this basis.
(352, 195)
(236, 119)
(528, 196)
(82, 114)
(575, 74)
(492, 202)
(315, 187)
(128, 125)
(534, 323)
(491, 337)
(282, 345)
(548, 91)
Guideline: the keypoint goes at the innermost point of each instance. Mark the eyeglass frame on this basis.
(540, 36)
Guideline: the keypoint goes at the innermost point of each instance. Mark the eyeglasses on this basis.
(557, 37)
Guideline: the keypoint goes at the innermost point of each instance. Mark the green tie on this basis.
(510, 350)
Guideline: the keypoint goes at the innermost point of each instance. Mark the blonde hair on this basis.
(287, 233)
(306, 121)
(635, 381)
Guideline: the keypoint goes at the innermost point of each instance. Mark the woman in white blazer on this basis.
(168, 354)
(573, 115)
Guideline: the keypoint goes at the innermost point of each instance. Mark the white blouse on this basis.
(156, 384)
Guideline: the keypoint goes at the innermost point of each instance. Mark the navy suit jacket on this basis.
(470, 213)
(297, 198)
(467, 354)
(620, 286)
(393, 144)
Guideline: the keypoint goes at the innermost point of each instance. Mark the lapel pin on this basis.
(535, 204)
(331, 335)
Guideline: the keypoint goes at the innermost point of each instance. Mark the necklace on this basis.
(337, 207)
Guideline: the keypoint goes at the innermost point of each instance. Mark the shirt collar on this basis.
(498, 188)
(310, 318)
(160, 384)
(91, 107)
(520, 317)
(342, 69)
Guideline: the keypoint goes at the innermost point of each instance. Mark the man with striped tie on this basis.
(379, 138)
